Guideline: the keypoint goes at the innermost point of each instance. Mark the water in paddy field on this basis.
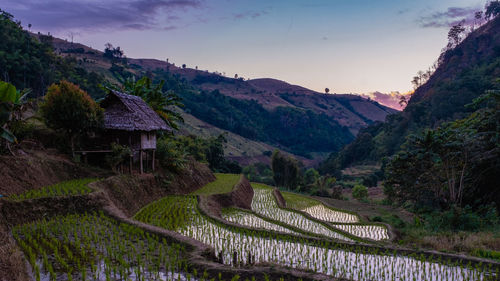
(339, 263)
(130, 274)
(264, 204)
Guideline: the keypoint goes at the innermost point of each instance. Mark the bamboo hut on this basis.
(129, 121)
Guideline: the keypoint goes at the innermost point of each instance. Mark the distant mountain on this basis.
(289, 117)
(464, 73)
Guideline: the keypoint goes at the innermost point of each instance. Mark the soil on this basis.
(37, 169)
(279, 198)
(130, 193)
(241, 196)
(12, 262)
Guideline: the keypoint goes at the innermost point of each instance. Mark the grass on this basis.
(65, 188)
(298, 202)
(223, 184)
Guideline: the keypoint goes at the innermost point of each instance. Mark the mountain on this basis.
(261, 111)
(464, 73)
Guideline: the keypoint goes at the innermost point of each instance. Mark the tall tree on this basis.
(286, 171)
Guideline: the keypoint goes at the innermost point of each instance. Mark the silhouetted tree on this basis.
(492, 10)
(327, 90)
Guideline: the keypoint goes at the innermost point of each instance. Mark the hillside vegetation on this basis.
(464, 73)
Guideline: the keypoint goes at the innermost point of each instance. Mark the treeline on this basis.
(29, 62)
(453, 169)
(463, 75)
(297, 131)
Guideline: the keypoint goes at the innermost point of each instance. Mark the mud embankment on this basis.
(241, 196)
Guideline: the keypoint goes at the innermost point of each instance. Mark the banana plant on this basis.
(10, 99)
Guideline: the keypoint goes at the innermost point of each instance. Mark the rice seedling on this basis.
(65, 188)
(236, 247)
(95, 247)
(342, 220)
(251, 220)
(264, 203)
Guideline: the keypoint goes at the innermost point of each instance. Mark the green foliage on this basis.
(119, 154)
(298, 131)
(360, 192)
(456, 164)
(462, 76)
(286, 172)
(68, 108)
(171, 153)
(311, 176)
(223, 184)
(259, 172)
(174, 151)
(462, 219)
(66, 188)
(9, 99)
(28, 62)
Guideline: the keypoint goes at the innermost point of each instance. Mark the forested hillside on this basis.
(465, 72)
(285, 116)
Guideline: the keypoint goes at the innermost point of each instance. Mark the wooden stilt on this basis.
(140, 160)
(153, 163)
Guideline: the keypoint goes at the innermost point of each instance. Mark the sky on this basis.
(349, 46)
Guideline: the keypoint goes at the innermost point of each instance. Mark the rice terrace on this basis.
(121, 165)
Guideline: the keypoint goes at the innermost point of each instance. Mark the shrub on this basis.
(360, 192)
(119, 154)
(68, 108)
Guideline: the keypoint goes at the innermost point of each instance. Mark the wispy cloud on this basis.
(450, 17)
(91, 15)
(250, 14)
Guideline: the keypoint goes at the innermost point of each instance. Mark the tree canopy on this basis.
(68, 108)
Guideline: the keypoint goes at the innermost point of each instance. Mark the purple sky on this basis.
(349, 46)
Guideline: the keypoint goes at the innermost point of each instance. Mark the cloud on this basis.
(249, 14)
(388, 99)
(92, 15)
(448, 18)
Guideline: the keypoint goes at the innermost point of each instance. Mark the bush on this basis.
(68, 108)
(464, 219)
(119, 154)
(360, 192)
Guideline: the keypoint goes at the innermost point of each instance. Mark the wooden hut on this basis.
(129, 121)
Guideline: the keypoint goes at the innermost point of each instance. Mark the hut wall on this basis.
(148, 140)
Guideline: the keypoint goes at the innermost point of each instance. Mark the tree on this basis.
(184, 66)
(360, 192)
(311, 176)
(454, 165)
(286, 171)
(455, 34)
(68, 108)
(492, 9)
(327, 90)
(112, 53)
(161, 102)
(236, 76)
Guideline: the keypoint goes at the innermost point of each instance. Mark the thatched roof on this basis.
(130, 113)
